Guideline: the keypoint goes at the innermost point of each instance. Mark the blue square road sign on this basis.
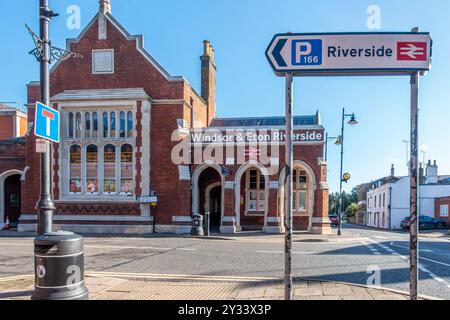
(46, 123)
(307, 52)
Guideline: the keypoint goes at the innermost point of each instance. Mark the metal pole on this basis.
(326, 146)
(288, 188)
(45, 205)
(414, 205)
(207, 223)
(341, 200)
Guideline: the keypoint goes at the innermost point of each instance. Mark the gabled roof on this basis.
(139, 45)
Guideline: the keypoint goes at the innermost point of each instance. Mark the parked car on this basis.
(334, 218)
(425, 222)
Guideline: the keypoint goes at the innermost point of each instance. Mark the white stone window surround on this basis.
(103, 61)
(261, 194)
(296, 190)
(64, 150)
(444, 210)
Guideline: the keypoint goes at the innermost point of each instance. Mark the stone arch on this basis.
(237, 190)
(312, 186)
(3, 178)
(195, 186)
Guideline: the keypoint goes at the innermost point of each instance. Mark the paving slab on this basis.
(110, 287)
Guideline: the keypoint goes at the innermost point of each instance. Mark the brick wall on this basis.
(438, 202)
(132, 70)
(12, 155)
(6, 127)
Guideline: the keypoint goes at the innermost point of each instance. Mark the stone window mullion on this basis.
(82, 125)
(101, 168)
(109, 125)
(118, 169)
(83, 169)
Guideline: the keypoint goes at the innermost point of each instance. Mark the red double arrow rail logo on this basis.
(412, 51)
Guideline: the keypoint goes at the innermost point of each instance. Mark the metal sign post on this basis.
(45, 206)
(414, 228)
(288, 187)
(351, 54)
(58, 256)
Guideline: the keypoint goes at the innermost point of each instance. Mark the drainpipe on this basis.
(390, 208)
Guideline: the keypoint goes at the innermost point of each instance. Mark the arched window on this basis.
(87, 127)
(126, 169)
(78, 125)
(109, 175)
(255, 191)
(113, 124)
(122, 124)
(95, 125)
(105, 124)
(70, 125)
(130, 124)
(300, 190)
(92, 169)
(75, 169)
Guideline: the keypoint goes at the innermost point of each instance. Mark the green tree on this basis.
(347, 199)
(351, 209)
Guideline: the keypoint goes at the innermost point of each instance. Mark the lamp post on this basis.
(58, 256)
(340, 142)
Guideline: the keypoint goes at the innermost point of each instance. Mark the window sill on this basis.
(254, 214)
(89, 198)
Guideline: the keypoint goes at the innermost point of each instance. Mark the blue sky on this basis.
(240, 31)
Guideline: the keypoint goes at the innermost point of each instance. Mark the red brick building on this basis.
(442, 206)
(130, 129)
(13, 122)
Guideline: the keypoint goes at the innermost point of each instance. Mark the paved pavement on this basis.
(108, 286)
(362, 257)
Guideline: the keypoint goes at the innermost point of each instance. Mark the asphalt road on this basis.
(355, 262)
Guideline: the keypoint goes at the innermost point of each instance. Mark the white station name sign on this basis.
(350, 53)
(257, 136)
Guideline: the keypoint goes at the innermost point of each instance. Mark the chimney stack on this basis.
(432, 172)
(209, 80)
(104, 6)
(392, 170)
(421, 174)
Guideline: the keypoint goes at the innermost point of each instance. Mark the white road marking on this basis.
(111, 247)
(434, 261)
(423, 268)
(294, 252)
(178, 276)
(371, 248)
(403, 247)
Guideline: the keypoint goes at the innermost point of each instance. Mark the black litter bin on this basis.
(197, 225)
(59, 267)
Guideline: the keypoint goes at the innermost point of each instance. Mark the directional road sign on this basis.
(46, 123)
(332, 54)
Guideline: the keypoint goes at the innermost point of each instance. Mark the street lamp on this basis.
(340, 141)
(328, 139)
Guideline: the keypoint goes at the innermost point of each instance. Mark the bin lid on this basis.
(58, 243)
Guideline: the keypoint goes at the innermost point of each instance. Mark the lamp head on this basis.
(353, 121)
(338, 141)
